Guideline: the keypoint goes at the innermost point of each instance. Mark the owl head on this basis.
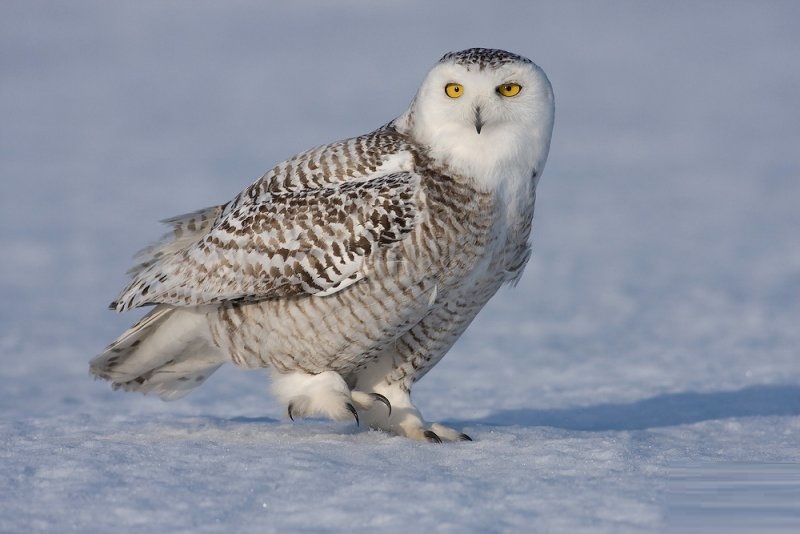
(484, 113)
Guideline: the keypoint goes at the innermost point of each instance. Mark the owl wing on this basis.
(184, 232)
(283, 243)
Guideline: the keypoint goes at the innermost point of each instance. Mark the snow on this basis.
(643, 376)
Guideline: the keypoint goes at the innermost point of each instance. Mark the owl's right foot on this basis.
(300, 407)
(324, 394)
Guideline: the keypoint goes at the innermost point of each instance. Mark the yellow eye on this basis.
(454, 90)
(509, 89)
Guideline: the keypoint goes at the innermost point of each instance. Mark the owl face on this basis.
(483, 109)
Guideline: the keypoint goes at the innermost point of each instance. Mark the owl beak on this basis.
(478, 120)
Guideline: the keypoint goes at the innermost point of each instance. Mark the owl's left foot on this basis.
(439, 433)
(365, 401)
(405, 420)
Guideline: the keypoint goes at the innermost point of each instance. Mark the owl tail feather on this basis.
(167, 352)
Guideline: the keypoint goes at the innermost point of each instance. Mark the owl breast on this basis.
(452, 250)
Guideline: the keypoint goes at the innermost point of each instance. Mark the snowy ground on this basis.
(643, 376)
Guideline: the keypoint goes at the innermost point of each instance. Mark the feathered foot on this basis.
(365, 401)
(405, 420)
(324, 394)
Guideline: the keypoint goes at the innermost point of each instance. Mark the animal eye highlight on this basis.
(454, 90)
(509, 89)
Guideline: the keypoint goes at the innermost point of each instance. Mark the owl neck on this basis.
(505, 160)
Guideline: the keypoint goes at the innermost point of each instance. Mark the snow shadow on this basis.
(662, 411)
(239, 420)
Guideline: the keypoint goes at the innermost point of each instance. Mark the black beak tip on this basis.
(478, 120)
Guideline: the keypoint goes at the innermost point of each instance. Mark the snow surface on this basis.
(643, 376)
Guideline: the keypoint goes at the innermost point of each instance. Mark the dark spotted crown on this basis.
(483, 57)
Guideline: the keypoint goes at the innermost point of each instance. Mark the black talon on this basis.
(432, 437)
(290, 412)
(353, 411)
(381, 398)
(464, 437)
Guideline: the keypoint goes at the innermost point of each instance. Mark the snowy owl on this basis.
(349, 270)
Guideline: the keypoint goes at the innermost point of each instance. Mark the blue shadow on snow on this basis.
(664, 410)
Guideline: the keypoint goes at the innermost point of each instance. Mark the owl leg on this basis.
(325, 394)
(404, 419)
